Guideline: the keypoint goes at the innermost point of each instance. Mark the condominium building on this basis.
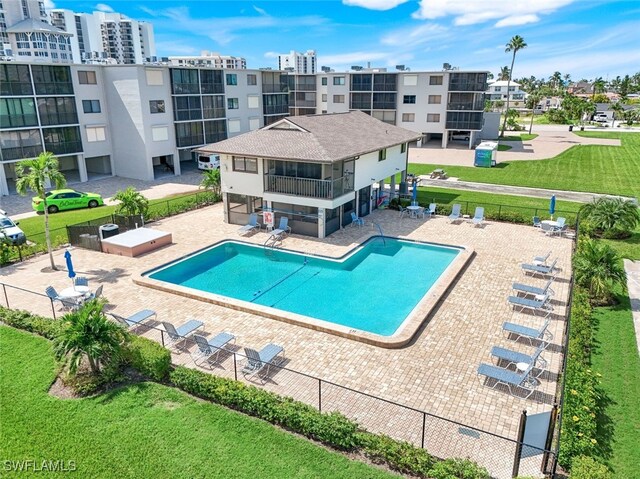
(210, 60)
(295, 62)
(500, 90)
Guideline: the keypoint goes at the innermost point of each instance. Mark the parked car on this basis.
(601, 118)
(460, 135)
(10, 230)
(60, 200)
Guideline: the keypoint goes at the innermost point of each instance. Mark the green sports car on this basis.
(59, 200)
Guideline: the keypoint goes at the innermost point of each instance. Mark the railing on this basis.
(470, 105)
(275, 109)
(308, 187)
(64, 147)
(20, 152)
(58, 119)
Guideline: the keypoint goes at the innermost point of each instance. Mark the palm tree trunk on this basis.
(504, 122)
(93, 364)
(46, 232)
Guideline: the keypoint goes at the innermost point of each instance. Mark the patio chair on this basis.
(541, 259)
(420, 212)
(283, 228)
(510, 379)
(65, 303)
(548, 229)
(529, 333)
(478, 217)
(135, 319)
(532, 304)
(540, 269)
(455, 213)
(536, 222)
(432, 210)
(97, 294)
(81, 281)
(514, 358)
(208, 348)
(403, 211)
(529, 290)
(182, 332)
(355, 220)
(252, 226)
(260, 362)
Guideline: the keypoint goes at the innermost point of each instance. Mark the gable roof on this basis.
(321, 138)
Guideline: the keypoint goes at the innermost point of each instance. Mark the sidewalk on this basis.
(633, 285)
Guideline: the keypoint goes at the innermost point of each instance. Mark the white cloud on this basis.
(48, 4)
(374, 4)
(261, 11)
(352, 58)
(426, 33)
(513, 12)
(103, 7)
(271, 55)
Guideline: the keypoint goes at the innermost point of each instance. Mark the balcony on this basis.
(469, 105)
(307, 187)
(62, 148)
(21, 152)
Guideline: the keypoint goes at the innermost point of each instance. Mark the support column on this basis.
(321, 224)
(381, 191)
(392, 191)
(82, 168)
(403, 182)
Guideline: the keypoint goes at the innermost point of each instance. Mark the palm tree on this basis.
(598, 86)
(515, 44)
(34, 174)
(132, 202)
(504, 73)
(88, 333)
(612, 216)
(617, 112)
(598, 268)
(556, 81)
(211, 181)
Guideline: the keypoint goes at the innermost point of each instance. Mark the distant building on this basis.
(497, 91)
(211, 60)
(294, 62)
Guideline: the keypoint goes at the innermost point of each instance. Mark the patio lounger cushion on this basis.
(510, 378)
(189, 327)
(534, 290)
(527, 332)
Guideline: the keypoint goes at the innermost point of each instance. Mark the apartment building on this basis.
(210, 60)
(500, 90)
(294, 62)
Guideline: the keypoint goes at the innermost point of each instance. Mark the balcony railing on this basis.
(467, 105)
(21, 152)
(63, 148)
(310, 188)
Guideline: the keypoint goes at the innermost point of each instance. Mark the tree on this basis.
(532, 102)
(211, 181)
(515, 44)
(34, 174)
(598, 268)
(555, 81)
(598, 87)
(617, 112)
(132, 202)
(89, 334)
(504, 73)
(611, 217)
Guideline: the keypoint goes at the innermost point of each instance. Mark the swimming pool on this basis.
(373, 288)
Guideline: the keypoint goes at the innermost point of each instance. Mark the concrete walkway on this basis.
(633, 285)
(454, 183)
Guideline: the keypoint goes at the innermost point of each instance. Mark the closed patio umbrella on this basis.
(414, 197)
(71, 272)
(552, 206)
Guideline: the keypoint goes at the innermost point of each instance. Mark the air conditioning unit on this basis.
(356, 68)
(400, 67)
(446, 66)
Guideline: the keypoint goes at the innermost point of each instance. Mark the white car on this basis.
(601, 118)
(8, 229)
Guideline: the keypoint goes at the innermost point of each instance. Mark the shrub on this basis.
(332, 428)
(148, 357)
(612, 217)
(598, 268)
(46, 327)
(585, 467)
(458, 469)
(399, 455)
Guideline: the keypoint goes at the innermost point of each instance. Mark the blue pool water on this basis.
(372, 289)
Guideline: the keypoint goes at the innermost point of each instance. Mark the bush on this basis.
(399, 455)
(85, 383)
(458, 469)
(332, 428)
(148, 357)
(585, 467)
(46, 327)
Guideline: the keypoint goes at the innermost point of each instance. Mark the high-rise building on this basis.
(294, 62)
(210, 60)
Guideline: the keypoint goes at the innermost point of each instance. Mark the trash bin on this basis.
(108, 230)
(570, 127)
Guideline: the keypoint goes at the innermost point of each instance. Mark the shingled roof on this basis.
(322, 138)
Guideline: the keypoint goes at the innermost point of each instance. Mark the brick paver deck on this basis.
(436, 372)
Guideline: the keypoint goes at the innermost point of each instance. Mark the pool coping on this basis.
(403, 335)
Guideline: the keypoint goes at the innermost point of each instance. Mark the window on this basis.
(17, 112)
(338, 80)
(232, 79)
(338, 98)
(512, 88)
(435, 99)
(233, 104)
(324, 81)
(433, 118)
(247, 165)
(96, 133)
(403, 148)
(410, 80)
(252, 79)
(156, 106)
(253, 101)
(497, 88)
(254, 123)
(160, 133)
(408, 117)
(187, 108)
(213, 106)
(87, 77)
(435, 80)
(382, 155)
(234, 126)
(409, 99)
(324, 97)
(91, 106)
(154, 77)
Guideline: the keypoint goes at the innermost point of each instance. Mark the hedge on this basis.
(45, 327)
(148, 357)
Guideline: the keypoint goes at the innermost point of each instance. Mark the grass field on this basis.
(591, 168)
(143, 430)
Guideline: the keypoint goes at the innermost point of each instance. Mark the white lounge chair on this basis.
(478, 217)
(513, 358)
(540, 268)
(455, 213)
(528, 290)
(182, 332)
(532, 304)
(134, 319)
(209, 348)
(432, 210)
(529, 333)
(260, 362)
(283, 228)
(252, 226)
(509, 378)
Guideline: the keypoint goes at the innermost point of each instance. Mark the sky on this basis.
(583, 38)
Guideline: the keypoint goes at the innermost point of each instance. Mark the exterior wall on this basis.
(422, 108)
(491, 127)
(242, 91)
(239, 182)
(369, 170)
(330, 90)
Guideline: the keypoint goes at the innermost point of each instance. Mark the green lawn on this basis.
(591, 168)
(143, 430)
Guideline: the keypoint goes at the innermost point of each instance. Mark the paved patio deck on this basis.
(436, 372)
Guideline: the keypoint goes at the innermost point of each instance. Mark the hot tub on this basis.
(136, 242)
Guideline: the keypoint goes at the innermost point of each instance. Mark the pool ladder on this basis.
(270, 245)
(384, 242)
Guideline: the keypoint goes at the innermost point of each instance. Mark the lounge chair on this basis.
(509, 378)
(432, 210)
(455, 212)
(540, 269)
(283, 228)
(478, 217)
(355, 220)
(532, 304)
(536, 222)
(529, 290)
(260, 362)
(207, 348)
(135, 319)
(513, 358)
(252, 226)
(182, 332)
(529, 333)
(541, 259)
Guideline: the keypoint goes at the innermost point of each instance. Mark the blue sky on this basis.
(586, 38)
